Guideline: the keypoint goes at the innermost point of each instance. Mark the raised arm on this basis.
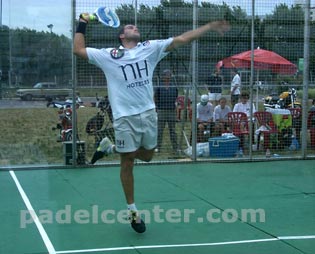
(217, 26)
(79, 40)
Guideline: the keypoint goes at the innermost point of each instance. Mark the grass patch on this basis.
(27, 137)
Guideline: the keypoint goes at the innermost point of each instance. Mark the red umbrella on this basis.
(263, 60)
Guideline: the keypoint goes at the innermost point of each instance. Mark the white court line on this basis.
(189, 245)
(300, 237)
(49, 246)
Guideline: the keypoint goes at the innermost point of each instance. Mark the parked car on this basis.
(44, 90)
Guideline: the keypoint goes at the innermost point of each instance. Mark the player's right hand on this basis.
(85, 17)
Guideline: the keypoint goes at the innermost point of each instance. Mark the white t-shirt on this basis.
(240, 107)
(236, 82)
(129, 74)
(221, 114)
(204, 113)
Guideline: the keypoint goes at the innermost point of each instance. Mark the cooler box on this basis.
(224, 146)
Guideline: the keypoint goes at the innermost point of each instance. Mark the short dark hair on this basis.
(245, 94)
(222, 99)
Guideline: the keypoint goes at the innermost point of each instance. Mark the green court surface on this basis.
(256, 207)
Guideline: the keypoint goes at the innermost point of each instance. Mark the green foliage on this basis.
(35, 56)
(285, 14)
(311, 95)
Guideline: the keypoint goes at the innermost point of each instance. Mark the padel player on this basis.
(128, 71)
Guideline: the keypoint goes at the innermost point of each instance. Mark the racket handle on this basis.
(88, 17)
(93, 17)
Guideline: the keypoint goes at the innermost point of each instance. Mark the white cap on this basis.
(204, 98)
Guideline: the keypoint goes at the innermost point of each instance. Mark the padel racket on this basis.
(107, 17)
(104, 15)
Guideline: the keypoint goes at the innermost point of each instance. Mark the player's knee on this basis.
(148, 157)
(145, 155)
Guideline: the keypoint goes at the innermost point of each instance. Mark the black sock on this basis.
(96, 156)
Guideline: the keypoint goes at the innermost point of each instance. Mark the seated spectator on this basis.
(204, 118)
(244, 105)
(220, 116)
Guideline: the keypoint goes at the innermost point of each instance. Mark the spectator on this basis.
(244, 105)
(204, 117)
(235, 87)
(220, 116)
(215, 87)
(165, 98)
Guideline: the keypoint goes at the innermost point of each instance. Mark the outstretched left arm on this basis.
(217, 26)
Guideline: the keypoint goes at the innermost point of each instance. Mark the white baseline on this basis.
(279, 238)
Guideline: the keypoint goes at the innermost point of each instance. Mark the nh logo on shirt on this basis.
(120, 143)
(135, 70)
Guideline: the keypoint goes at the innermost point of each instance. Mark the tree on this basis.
(4, 53)
(284, 31)
(35, 56)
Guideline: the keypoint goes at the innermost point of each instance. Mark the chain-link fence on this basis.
(247, 95)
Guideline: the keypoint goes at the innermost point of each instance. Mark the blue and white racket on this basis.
(107, 17)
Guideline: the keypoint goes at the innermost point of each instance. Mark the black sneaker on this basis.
(136, 222)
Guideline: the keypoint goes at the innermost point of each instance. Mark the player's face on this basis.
(131, 33)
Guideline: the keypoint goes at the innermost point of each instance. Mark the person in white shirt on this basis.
(204, 117)
(220, 116)
(244, 105)
(128, 71)
(235, 87)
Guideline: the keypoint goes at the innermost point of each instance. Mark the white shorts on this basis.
(133, 132)
(214, 96)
